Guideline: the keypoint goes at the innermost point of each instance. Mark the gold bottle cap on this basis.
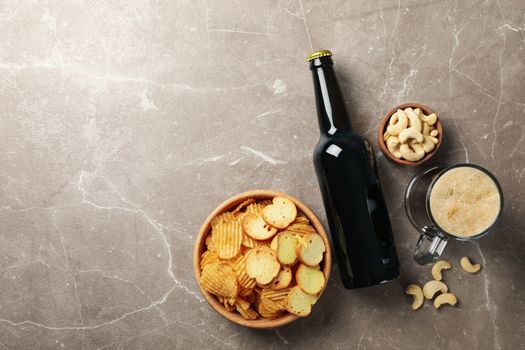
(317, 54)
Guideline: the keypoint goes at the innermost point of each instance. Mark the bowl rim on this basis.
(383, 125)
(200, 245)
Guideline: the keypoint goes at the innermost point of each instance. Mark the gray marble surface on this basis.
(124, 123)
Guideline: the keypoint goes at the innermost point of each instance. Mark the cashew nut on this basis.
(426, 129)
(417, 293)
(392, 143)
(401, 123)
(432, 287)
(410, 133)
(435, 140)
(429, 119)
(438, 266)
(468, 266)
(446, 298)
(414, 121)
(386, 136)
(412, 152)
(434, 133)
(393, 119)
(428, 144)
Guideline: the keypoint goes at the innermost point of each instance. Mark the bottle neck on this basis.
(331, 110)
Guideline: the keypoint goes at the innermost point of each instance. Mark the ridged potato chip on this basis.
(245, 292)
(243, 204)
(220, 279)
(277, 296)
(255, 209)
(271, 305)
(243, 304)
(239, 216)
(301, 229)
(267, 313)
(228, 303)
(300, 219)
(227, 238)
(249, 242)
(265, 202)
(245, 281)
(225, 217)
(208, 257)
(248, 313)
(209, 243)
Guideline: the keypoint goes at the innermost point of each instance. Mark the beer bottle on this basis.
(353, 200)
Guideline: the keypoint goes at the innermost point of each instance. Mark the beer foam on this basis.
(465, 201)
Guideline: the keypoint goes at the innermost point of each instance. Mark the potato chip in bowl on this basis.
(262, 259)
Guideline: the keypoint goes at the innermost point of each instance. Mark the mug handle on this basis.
(429, 246)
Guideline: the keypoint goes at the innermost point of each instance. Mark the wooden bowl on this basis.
(200, 246)
(384, 123)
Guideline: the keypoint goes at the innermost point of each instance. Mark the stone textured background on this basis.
(124, 123)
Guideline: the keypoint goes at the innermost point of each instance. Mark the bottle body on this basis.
(352, 196)
(356, 211)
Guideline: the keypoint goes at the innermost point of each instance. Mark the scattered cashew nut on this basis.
(428, 144)
(414, 121)
(412, 152)
(432, 287)
(417, 293)
(468, 266)
(434, 133)
(392, 143)
(429, 119)
(438, 266)
(445, 298)
(410, 133)
(401, 124)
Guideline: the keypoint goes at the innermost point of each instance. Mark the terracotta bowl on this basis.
(384, 123)
(200, 246)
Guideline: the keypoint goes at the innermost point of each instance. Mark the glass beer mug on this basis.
(462, 202)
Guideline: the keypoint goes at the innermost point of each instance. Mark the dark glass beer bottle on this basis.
(353, 199)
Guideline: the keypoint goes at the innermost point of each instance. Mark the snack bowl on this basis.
(200, 247)
(384, 124)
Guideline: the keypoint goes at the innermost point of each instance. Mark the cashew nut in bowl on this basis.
(414, 121)
(434, 133)
(410, 133)
(468, 266)
(445, 298)
(431, 288)
(438, 266)
(392, 143)
(426, 129)
(417, 293)
(401, 124)
(434, 139)
(412, 152)
(393, 119)
(428, 144)
(386, 136)
(429, 119)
